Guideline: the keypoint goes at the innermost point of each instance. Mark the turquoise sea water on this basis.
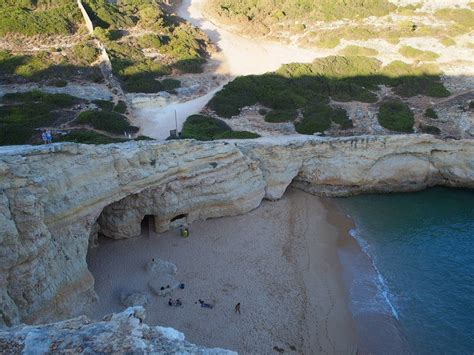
(421, 251)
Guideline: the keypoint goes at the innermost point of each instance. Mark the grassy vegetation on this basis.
(430, 129)
(359, 51)
(414, 53)
(39, 17)
(281, 116)
(44, 66)
(464, 18)
(331, 38)
(268, 12)
(181, 46)
(430, 113)
(318, 118)
(104, 104)
(86, 137)
(206, 128)
(121, 107)
(21, 114)
(447, 41)
(395, 115)
(106, 121)
(300, 86)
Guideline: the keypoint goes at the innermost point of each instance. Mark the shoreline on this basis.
(280, 261)
(378, 328)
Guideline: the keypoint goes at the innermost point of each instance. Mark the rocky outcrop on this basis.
(119, 333)
(54, 199)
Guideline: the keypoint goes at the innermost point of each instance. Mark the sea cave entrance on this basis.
(148, 226)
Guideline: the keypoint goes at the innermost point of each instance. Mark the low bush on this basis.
(296, 86)
(359, 51)
(236, 135)
(340, 117)
(85, 53)
(104, 104)
(206, 128)
(21, 114)
(430, 113)
(430, 129)
(447, 41)
(414, 53)
(281, 116)
(86, 137)
(62, 18)
(462, 17)
(121, 107)
(395, 115)
(316, 119)
(106, 121)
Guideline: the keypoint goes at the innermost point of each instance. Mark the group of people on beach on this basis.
(47, 136)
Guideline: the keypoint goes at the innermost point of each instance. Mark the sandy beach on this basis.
(279, 261)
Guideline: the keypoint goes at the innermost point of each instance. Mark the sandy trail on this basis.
(237, 56)
(280, 261)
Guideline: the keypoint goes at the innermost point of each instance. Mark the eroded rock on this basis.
(119, 333)
(54, 199)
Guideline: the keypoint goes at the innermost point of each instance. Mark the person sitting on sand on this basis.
(178, 303)
(237, 308)
(170, 302)
(205, 305)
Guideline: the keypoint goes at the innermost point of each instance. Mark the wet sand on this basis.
(279, 261)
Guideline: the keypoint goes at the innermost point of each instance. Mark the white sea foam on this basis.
(379, 281)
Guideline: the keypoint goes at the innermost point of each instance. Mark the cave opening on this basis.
(148, 225)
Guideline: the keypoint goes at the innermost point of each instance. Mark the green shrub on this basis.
(121, 107)
(430, 129)
(281, 116)
(430, 113)
(105, 105)
(447, 42)
(59, 83)
(237, 135)
(61, 19)
(395, 115)
(106, 121)
(21, 114)
(86, 137)
(414, 53)
(462, 17)
(85, 53)
(359, 51)
(315, 119)
(249, 11)
(206, 128)
(340, 117)
(170, 84)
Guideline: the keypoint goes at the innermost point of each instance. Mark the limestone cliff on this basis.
(121, 333)
(54, 199)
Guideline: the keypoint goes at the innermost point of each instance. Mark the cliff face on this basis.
(54, 199)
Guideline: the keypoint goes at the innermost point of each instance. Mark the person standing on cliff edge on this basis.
(237, 308)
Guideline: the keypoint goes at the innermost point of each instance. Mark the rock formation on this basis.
(119, 333)
(55, 199)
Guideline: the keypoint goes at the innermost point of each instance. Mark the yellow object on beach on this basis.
(185, 232)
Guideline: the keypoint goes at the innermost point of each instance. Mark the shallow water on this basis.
(420, 248)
